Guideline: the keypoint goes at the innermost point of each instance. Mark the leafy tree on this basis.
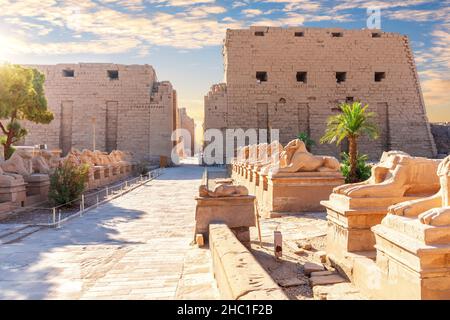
(67, 183)
(309, 143)
(351, 123)
(22, 97)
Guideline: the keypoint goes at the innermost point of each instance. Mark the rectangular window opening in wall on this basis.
(68, 73)
(259, 33)
(376, 35)
(261, 76)
(341, 77)
(113, 74)
(299, 34)
(302, 76)
(379, 76)
(337, 34)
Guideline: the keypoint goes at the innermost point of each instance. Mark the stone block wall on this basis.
(441, 133)
(298, 88)
(125, 105)
(187, 123)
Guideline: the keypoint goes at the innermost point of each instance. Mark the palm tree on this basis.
(351, 123)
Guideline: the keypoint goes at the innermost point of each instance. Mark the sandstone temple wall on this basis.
(298, 89)
(132, 111)
(441, 133)
(187, 123)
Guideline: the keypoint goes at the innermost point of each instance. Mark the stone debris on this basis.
(291, 282)
(310, 267)
(326, 279)
(322, 273)
(339, 291)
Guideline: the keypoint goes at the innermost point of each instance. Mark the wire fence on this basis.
(56, 215)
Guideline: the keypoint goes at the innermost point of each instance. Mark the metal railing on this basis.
(56, 215)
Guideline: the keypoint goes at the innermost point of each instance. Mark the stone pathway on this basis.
(135, 247)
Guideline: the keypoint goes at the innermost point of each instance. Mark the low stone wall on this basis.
(238, 274)
(441, 134)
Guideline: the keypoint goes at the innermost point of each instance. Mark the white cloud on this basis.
(252, 12)
(237, 4)
(298, 5)
(181, 3)
(363, 4)
(204, 11)
(193, 28)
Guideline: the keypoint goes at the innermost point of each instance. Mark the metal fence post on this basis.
(54, 216)
(97, 200)
(59, 218)
(106, 191)
(82, 204)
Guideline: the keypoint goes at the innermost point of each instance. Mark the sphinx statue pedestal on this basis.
(411, 262)
(350, 221)
(238, 213)
(286, 193)
(12, 196)
(353, 209)
(37, 188)
(413, 259)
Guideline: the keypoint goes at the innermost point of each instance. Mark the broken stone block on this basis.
(340, 291)
(322, 273)
(291, 282)
(325, 280)
(310, 267)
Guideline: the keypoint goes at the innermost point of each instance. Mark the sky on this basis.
(182, 39)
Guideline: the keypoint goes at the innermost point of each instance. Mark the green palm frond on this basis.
(354, 120)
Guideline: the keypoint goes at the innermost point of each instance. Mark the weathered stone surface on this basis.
(186, 148)
(292, 104)
(294, 183)
(354, 208)
(135, 247)
(291, 282)
(325, 280)
(310, 267)
(238, 274)
(235, 212)
(134, 112)
(441, 134)
(339, 291)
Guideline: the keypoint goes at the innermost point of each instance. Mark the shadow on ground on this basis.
(26, 272)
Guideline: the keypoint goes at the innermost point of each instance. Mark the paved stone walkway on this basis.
(135, 247)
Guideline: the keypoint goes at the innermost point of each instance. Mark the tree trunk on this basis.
(353, 154)
(7, 145)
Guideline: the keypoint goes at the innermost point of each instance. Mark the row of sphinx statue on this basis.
(26, 162)
(397, 174)
(294, 157)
